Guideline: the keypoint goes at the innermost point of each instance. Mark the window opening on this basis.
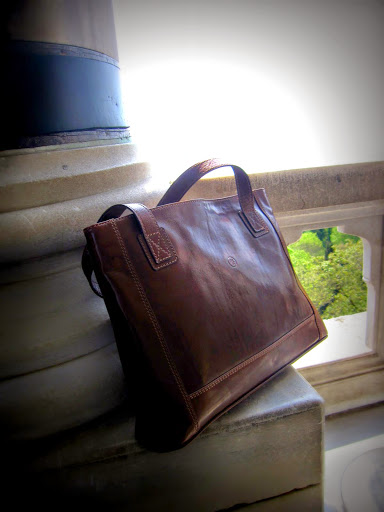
(329, 265)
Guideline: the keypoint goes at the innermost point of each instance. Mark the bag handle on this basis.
(244, 190)
(157, 241)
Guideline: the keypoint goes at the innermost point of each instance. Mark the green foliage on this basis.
(310, 243)
(338, 238)
(329, 265)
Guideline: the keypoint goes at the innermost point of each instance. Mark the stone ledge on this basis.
(268, 445)
(303, 189)
(307, 499)
(60, 318)
(29, 180)
(44, 402)
(53, 214)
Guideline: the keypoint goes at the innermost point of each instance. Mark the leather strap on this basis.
(114, 212)
(156, 239)
(158, 243)
(86, 264)
(244, 190)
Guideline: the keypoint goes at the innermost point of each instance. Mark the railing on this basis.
(359, 380)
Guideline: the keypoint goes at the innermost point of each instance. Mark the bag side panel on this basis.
(164, 416)
(263, 202)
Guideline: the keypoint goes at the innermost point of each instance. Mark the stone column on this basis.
(64, 162)
(62, 76)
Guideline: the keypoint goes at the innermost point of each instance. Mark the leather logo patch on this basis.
(232, 261)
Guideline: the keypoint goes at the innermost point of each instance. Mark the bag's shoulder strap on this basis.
(114, 212)
(159, 245)
(189, 177)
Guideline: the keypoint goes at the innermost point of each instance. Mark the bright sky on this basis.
(235, 113)
(266, 84)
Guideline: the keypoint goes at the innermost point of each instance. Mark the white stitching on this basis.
(157, 328)
(150, 257)
(158, 247)
(249, 361)
(150, 214)
(152, 244)
(170, 205)
(258, 219)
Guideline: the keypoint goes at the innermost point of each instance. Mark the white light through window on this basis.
(182, 112)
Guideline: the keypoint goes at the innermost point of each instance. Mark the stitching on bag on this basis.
(150, 257)
(154, 322)
(245, 363)
(149, 213)
(158, 247)
(154, 245)
(169, 205)
(252, 213)
(257, 215)
(274, 225)
(259, 219)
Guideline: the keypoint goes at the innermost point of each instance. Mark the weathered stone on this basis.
(268, 445)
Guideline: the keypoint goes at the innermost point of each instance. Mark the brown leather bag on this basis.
(204, 303)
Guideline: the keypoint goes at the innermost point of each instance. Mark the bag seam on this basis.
(251, 359)
(151, 242)
(157, 266)
(274, 225)
(157, 328)
(170, 205)
(158, 247)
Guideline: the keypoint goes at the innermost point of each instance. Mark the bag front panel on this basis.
(223, 393)
(228, 296)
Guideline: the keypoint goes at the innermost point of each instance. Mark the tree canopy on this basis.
(329, 265)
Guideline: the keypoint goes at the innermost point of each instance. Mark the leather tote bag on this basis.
(203, 300)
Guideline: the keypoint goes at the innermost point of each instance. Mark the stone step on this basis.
(267, 446)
